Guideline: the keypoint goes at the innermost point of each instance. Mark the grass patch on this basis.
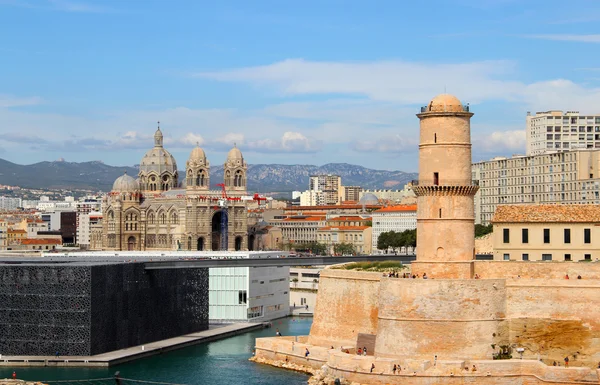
(379, 266)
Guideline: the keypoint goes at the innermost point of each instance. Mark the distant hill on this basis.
(261, 177)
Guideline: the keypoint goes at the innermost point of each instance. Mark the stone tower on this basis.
(445, 190)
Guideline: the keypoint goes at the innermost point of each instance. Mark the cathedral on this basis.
(158, 212)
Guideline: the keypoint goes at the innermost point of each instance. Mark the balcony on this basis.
(445, 108)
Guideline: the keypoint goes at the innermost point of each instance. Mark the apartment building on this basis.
(546, 233)
(358, 236)
(9, 204)
(558, 131)
(393, 218)
(351, 193)
(570, 177)
(329, 185)
(300, 229)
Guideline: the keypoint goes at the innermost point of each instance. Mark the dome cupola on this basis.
(125, 183)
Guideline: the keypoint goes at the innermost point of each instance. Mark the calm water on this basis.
(223, 362)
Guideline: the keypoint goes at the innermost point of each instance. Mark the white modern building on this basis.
(84, 227)
(9, 204)
(558, 131)
(393, 218)
(569, 177)
(236, 294)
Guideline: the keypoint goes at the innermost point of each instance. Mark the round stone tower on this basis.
(445, 190)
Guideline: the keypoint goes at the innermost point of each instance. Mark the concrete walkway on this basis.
(116, 357)
(301, 311)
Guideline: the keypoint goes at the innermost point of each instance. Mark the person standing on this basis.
(566, 361)
(14, 376)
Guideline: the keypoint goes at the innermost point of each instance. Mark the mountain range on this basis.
(264, 178)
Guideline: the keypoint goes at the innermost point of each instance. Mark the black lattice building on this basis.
(88, 308)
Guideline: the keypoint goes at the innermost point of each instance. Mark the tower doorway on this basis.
(238, 243)
(219, 228)
(131, 243)
(200, 244)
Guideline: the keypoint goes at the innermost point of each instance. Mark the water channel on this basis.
(223, 362)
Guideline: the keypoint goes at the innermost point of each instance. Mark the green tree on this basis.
(343, 248)
(481, 230)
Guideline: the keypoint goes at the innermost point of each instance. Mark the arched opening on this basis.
(440, 253)
(200, 244)
(251, 239)
(219, 229)
(238, 243)
(189, 245)
(131, 243)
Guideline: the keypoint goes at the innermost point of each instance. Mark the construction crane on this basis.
(258, 198)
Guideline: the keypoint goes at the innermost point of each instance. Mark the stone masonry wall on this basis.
(347, 304)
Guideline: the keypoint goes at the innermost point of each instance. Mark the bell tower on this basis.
(445, 190)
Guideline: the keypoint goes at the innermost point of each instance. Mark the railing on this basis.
(446, 108)
(444, 182)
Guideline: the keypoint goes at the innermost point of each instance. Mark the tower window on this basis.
(436, 178)
(440, 213)
(434, 138)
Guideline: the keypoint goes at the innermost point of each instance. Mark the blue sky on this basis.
(308, 82)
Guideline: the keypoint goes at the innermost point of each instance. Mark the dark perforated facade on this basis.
(87, 309)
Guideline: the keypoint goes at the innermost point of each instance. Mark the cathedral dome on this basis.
(158, 159)
(235, 154)
(445, 103)
(197, 156)
(125, 183)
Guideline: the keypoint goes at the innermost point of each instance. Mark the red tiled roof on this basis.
(397, 208)
(349, 218)
(305, 219)
(547, 213)
(344, 228)
(41, 241)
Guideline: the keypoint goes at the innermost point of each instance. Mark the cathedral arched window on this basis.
(163, 218)
(151, 218)
(228, 178)
(238, 179)
(174, 219)
(190, 178)
(201, 178)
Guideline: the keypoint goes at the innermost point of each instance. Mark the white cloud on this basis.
(7, 101)
(501, 142)
(409, 83)
(567, 37)
(290, 142)
(228, 140)
(388, 144)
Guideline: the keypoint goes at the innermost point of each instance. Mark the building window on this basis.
(242, 297)
(546, 235)
(436, 178)
(567, 235)
(506, 257)
(546, 257)
(587, 235)
(525, 257)
(567, 257)
(506, 235)
(525, 235)
(440, 213)
(587, 257)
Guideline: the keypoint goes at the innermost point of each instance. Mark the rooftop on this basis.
(547, 214)
(397, 208)
(344, 228)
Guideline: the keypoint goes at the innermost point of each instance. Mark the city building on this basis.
(312, 198)
(299, 229)
(393, 218)
(393, 196)
(9, 204)
(85, 206)
(546, 232)
(157, 212)
(569, 177)
(40, 244)
(329, 185)
(351, 193)
(358, 236)
(87, 221)
(3, 234)
(552, 131)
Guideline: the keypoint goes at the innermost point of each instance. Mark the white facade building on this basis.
(9, 204)
(236, 294)
(391, 195)
(552, 131)
(84, 227)
(312, 198)
(570, 177)
(393, 218)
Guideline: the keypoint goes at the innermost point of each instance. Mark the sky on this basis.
(307, 82)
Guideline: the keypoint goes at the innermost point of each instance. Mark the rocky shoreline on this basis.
(319, 376)
(7, 381)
